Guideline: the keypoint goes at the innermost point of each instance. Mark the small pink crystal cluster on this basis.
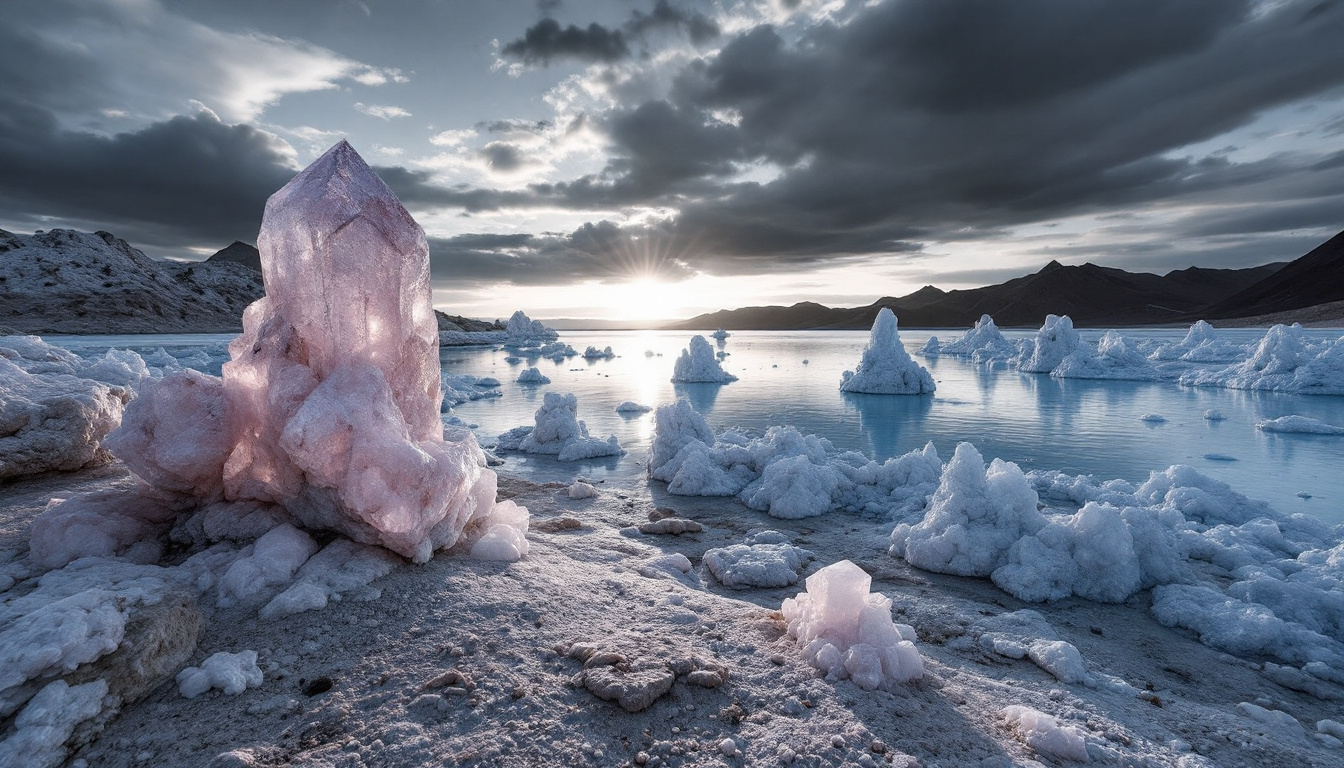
(329, 406)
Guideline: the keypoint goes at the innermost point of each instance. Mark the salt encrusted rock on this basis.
(1045, 734)
(847, 632)
(51, 419)
(635, 683)
(886, 368)
(671, 525)
(231, 673)
(697, 364)
(329, 405)
(1113, 358)
(766, 559)
(593, 353)
(582, 490)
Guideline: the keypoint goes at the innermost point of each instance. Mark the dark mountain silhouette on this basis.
(239, 252)
(1316, 278)
(1091, 295)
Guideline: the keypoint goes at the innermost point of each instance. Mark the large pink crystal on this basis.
(330, 401)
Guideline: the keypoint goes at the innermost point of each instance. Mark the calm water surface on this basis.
(1082, 427)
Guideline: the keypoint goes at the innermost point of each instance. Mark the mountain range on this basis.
(1093, 296)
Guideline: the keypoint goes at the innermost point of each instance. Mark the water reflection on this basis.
(702, 396)
(892, 424)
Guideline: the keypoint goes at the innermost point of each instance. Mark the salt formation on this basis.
(766, 559)
(53, 415)
(784, 472)
(462, 388)
(1046, 735)
(231, 673)
(720, 334)
(1053, 342)
(533, 376)
(983, 342)
(560, 433)
(973, 519)
(522, 331)
(631, 408)
(886, 368)
(329, 406)
(1283, 361)
(847, 632)
(1200, 345)
(1114, 357)
(593, 353)
(697, 364)
(1299, 424)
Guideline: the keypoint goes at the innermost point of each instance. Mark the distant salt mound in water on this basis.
(560, 433)
(886, 368)
(1114, 357)
(1283, 361)
(983, 343)
(697, 364)
(1200, 345)
(1053, 342)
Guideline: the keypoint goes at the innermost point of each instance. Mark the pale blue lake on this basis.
(1077, 426)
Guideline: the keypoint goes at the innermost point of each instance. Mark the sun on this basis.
(642, 299)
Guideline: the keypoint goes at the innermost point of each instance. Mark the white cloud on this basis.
(148, 60)
(384, 112)
(452, 138)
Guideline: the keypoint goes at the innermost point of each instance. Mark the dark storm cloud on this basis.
(697, 26)
(502, 156)
(548, 41)
(185, 181)
(926, 117)
(602, 251)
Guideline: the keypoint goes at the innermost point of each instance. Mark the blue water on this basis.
(1082, 427)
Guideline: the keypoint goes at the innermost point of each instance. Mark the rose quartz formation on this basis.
(329, 406)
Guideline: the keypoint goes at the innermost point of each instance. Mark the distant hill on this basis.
(63, 281)
(1316, 278)
(1091, 295)
(239, 252)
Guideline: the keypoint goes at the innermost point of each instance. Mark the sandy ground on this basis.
(361, 683)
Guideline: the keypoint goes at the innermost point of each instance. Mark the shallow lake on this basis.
(1078, 426)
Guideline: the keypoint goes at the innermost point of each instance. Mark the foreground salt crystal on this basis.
(886, 368)
(847, 632)
(329, 406)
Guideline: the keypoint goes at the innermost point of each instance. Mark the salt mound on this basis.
(1114, 357)
(698, 364)
(767, 559)
(983, 342)
(974, 517)
(522, 331)
(847, 631)
(1054, 341)
(1200, 345)
(720, 334)
(1283, 361)
(560, 433)
(329, 405)
(886, 368)
(533, 376)
(1299, 424)
(593, 353)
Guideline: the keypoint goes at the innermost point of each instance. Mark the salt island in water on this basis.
(241, 570)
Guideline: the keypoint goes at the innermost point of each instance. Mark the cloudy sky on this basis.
(642, 159)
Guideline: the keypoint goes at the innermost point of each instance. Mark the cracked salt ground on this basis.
(456, 663)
